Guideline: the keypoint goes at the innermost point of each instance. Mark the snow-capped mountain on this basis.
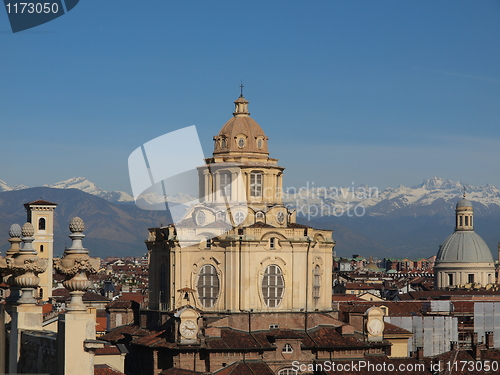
(5, 187)
(81, 183)
(329, 199)
(375, 201)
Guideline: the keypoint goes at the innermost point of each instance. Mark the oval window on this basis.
(208, 285)
(273, 285)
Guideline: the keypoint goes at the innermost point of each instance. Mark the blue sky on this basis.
(376, 92)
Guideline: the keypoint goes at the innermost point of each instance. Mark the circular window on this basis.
(200, 218)
(280, 217)
(241, 142)
(239, 217)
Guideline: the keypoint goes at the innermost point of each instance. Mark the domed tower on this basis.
(240, 248)
(464, 258)
(241, 169)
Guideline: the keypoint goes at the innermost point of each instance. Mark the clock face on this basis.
(188, 329)
(375, 327)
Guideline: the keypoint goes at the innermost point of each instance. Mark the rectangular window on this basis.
(256, 184)
(471, 277)
(225, 184)
(450, 279)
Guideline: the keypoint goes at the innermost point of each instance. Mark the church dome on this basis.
(241, 134)
(464, 246)
(464, 203)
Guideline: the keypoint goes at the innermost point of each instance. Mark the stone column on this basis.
(76, 329)
(23, 266)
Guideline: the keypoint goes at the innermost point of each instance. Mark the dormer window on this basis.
(260, 142)
(241, 142)
(223, 143)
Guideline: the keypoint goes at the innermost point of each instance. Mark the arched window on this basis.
(223, 142)
(287, 371)
(208, 285)
(208, 243)
(41, 224)
(316, 283)
(225, 184)
(273, 285)
(259, 216)
(256, 184)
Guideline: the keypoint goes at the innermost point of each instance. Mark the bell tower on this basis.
(40, 214)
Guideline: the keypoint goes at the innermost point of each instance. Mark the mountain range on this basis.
(393, 222)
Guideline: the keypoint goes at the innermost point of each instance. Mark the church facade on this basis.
(240, 249)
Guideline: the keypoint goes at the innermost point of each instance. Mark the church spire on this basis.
(241, 105)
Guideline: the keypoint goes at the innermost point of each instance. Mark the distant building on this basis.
(464, 260)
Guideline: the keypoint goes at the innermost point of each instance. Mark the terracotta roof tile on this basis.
(122, 332)
(154, 340)
(178, 371)
(322, 337)
(394, 329)
(40, 202)
(106, 370)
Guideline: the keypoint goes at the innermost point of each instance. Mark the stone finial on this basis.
(27, 230)
(76, 265)
(76, 225)
(22, 265)
(15, 231)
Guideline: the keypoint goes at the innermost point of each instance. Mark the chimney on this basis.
(489, 340)
(474, 338)
(420, 353)
(477, 351)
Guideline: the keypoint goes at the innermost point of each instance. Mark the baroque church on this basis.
(237, 286)
(240, 249)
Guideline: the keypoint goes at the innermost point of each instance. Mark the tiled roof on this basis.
(396, 308)
(122, 332)
(154, 340)
(297, 225)
(246, 368)
(40, 202)
(106, 370)
(260, 224)
(232, 339)
(120, 304)
(63, 294)
(393, 329)
(178, 371)
(107, 349)
(286, 334)
(322, 337)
